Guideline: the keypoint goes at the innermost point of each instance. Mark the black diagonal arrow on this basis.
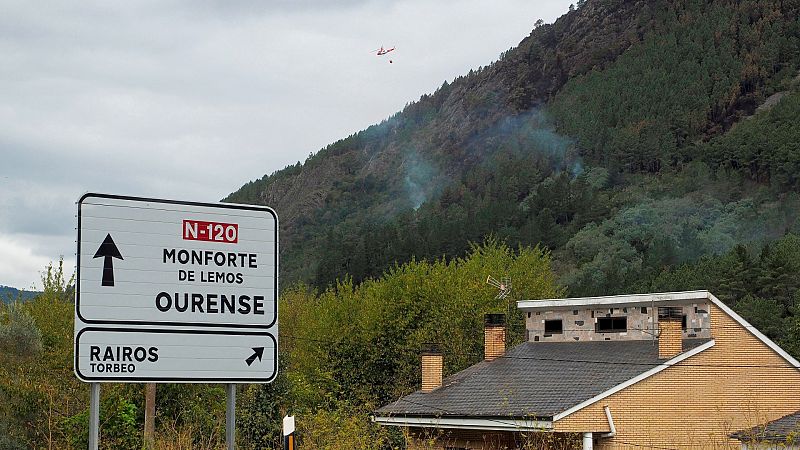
(258, 352)
(108, 249)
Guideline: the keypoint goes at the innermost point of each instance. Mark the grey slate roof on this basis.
(534, 379)
(779, 430)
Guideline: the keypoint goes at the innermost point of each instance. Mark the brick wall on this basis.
(670, 341)
(686, 406)
(431, 371)
(494, 342)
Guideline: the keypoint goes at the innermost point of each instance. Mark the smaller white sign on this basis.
(288, 425)
(164, 355)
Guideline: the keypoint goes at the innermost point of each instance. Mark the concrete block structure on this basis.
(673, 370)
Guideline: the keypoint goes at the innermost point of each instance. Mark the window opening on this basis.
(611, 324)
(553, 326)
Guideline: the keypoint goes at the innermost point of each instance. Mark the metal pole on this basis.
(230, 417)
(149, 416)
(94, 415)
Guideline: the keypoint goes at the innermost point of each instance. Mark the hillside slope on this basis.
(400, 163)
(439, 127)
(9, 294)
(641, 91)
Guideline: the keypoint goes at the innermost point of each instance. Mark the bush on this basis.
(343, 429)
(118, 425)
(7, 441)
(19, 334)
(260, 412)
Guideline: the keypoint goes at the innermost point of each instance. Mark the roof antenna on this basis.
(503, 285)
(653, 316)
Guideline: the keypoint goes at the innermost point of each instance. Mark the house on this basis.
(668, 371)
(780, 434)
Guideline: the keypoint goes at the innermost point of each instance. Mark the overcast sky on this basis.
(191, 99)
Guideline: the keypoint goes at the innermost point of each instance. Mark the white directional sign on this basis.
(155, 262)
(150, 270)
(170, 355)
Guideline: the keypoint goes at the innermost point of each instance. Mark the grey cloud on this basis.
(186, 99)
(256, 6)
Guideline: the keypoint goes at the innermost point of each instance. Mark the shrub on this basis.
(19, 334)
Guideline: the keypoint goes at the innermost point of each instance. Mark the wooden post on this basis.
(150, 416)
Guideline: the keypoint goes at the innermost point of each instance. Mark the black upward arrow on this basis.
(108, 249)
(258, 353)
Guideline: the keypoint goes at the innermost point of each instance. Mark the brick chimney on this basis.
(670, 331)
(494, 336)
(431, 367)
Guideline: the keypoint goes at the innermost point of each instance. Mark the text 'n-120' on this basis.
(198, 230)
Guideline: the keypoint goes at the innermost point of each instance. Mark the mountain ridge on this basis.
(9, 294)
(545, 87)
(297, 190)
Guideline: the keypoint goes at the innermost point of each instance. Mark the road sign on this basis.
(159, 262)
(167, 355)
(175, 291)
(288, 432)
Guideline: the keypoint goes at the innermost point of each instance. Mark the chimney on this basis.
(431, 367)
(670, 331)
(494, 336)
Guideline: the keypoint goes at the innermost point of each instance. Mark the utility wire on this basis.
(328, 342)
(589, 361)
(647, 330)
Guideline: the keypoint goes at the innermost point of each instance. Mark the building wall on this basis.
(579, 324)
(441, 439)
(694, 405)
(444, 439)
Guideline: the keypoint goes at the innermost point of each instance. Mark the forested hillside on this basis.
(9, 294)
(626, 137)
(408, 159)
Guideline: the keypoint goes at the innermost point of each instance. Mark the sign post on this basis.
(94, 415)
(149, 416)
(173, 291)
(230, 417)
